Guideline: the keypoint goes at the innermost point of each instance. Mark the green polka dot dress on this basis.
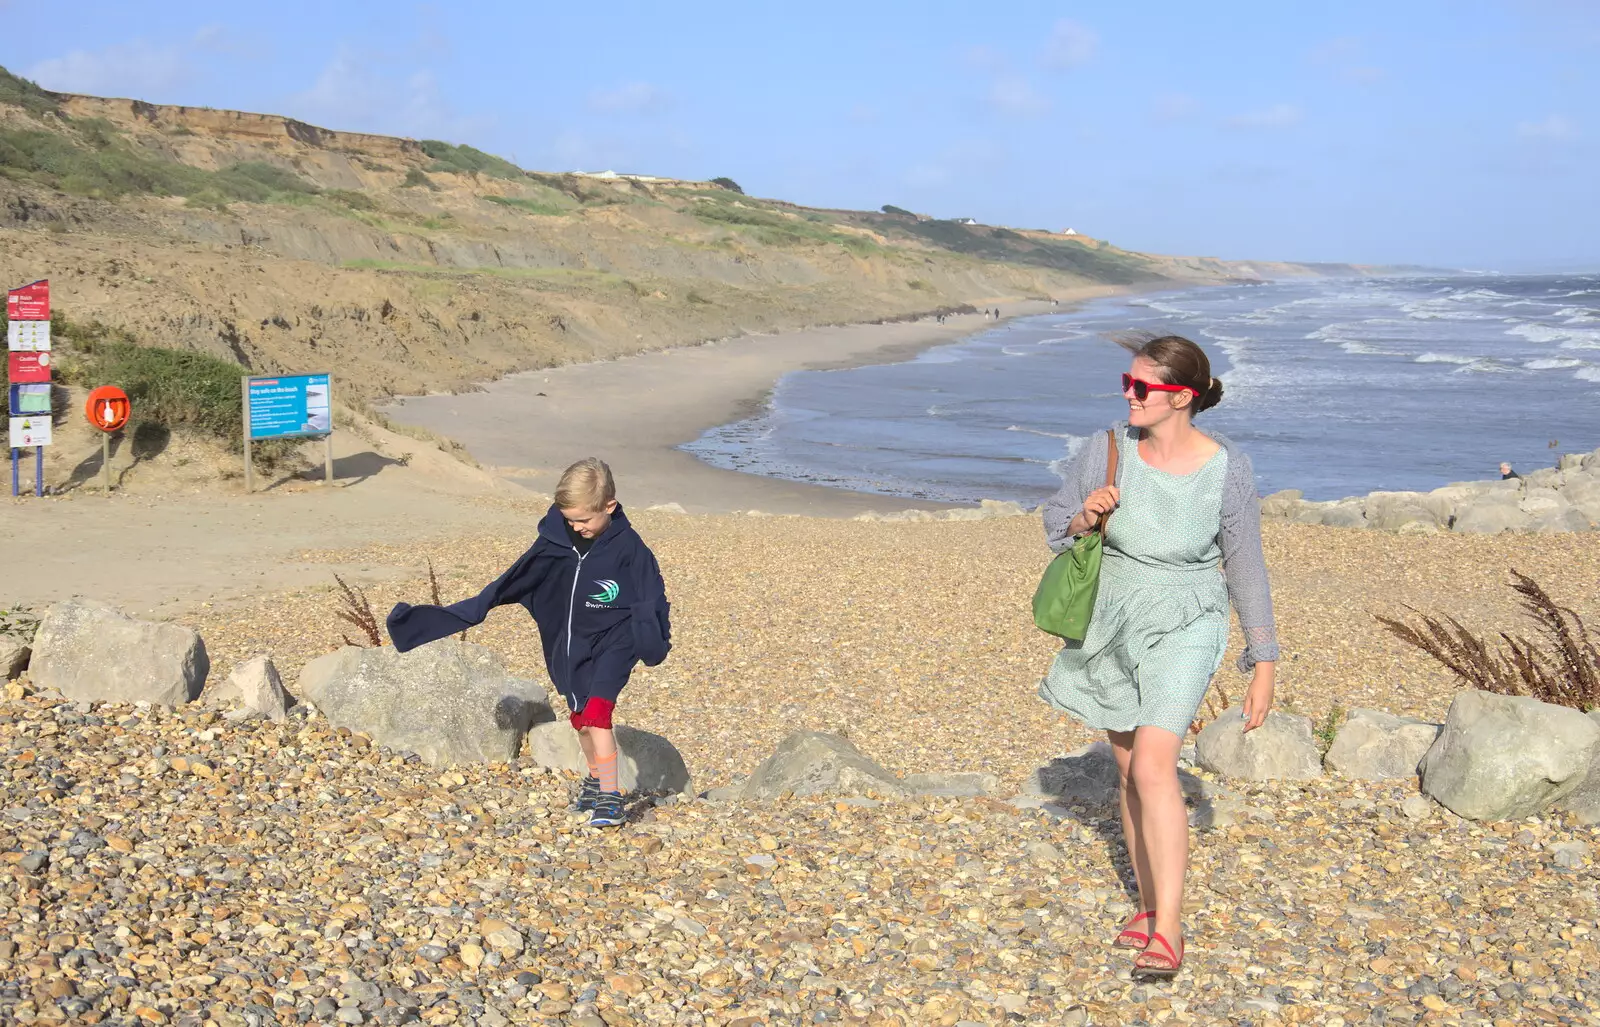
(1160, 624)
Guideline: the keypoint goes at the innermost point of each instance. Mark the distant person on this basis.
(1507, 472)
(595, 591)
(1181, 509)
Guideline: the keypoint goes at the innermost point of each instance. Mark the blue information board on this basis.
(289, 405)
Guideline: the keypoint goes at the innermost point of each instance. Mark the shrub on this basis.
(20, 92)
(1565, 670)
(695, 298)
(889, 208)
(465, 160)
(529, 206)
(415, 177)
(728, 184)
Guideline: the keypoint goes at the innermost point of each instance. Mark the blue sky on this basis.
(1449, 132)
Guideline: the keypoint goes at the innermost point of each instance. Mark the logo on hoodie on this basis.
(609, 590)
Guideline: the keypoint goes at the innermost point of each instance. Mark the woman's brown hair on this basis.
(1181, 362)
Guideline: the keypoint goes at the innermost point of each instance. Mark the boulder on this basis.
(1568, 462)
(449, 701)
(1280, 749)
(1401, 511)
(646, 762)
(1503, 757)
(1282, 505)
(815, 763)
(1550, 511)
(1344, 513)
(1584, 495)
(1375, 746)
(92, 653)
(1542, 478)
(1583, 802)
(254, 689)
(1490, 515)
(1592, 461)
(961, 783)
(14, 656)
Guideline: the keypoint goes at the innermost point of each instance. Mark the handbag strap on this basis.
(1111, 476)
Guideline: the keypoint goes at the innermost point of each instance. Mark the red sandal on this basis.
(1131, 939)
(1170, 963)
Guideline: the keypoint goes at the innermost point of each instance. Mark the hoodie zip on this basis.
(572, 601)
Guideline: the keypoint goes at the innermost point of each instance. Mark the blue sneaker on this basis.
(587, 793)
(608, 811)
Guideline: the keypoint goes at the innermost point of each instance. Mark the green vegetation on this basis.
(20, 92)
(1329, 727)
(1002, 244)
(889, 208)
(415, 177)
(695, 297)
(528, 206)
(775, 229)
(728, 184)
(464, 160)
(920, 284)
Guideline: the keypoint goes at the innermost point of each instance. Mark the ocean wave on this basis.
(1443, 358)
(1552, 364)
(1358, 348)
(1588, 374)
(1487, 367)
(1578, 315)
(1015, 351)
(1059, 466)
(1534, 332)
(1047, 434)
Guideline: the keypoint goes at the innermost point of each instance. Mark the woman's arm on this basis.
(1062, 511)
(1245, 565)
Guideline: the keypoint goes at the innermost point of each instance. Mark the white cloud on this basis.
(1070, 44)
(135, 69)
(1278, 116)
(1556, 126)
(629, 98)
(353, 94)
(1014, 95)
(1174, 106)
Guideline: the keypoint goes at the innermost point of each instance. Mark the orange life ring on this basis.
(108, 408)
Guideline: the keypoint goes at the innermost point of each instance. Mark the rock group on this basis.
(1551, 499)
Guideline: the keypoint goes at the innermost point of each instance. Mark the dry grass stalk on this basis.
(1565, 670)
(358, 611)
(438, 596)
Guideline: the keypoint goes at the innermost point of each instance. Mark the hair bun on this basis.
(1212, 397)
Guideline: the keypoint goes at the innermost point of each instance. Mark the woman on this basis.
(1183, 503)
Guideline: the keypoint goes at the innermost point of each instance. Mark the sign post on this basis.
(28, 375)
(286, 407)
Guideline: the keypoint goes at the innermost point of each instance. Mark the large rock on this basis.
(14, 656)
(255, 690)
(1282, 505)
(960, 784)
(1549, 511)
(815, 763)
(1375, 746)
(1344, 513)
(1491, 514)
(646, 762)
(1583, 802)
(1503, 757)
(1280, 749)
(90, 652)
(1401, 511)
(449, 701)
(1584, 495)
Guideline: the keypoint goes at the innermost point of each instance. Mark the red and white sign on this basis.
(27, 432)
(29, 303)
(26, 367)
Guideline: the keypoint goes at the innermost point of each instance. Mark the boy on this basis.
(595, 591)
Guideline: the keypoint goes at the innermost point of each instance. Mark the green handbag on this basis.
(1064, 600)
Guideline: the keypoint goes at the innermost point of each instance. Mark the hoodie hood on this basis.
(553, 527)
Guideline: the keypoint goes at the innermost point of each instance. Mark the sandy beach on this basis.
(635, 411)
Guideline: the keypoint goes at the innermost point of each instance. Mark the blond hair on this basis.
(586, 485)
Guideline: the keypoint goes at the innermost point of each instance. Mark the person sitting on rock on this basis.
(1507, 472)
(596, 593)
(1182, 508)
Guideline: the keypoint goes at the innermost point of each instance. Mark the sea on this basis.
(1333, 386)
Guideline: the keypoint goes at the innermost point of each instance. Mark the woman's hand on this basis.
(1258, 697)
(1100, 502)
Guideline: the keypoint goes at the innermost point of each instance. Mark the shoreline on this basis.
(635, 411)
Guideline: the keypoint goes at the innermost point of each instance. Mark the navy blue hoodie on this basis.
(598, 613)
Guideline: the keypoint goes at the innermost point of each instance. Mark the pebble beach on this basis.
(174, 867)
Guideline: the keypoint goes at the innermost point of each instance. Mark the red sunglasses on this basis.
(1142, 389)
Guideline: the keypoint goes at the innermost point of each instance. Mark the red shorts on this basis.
(596, 712)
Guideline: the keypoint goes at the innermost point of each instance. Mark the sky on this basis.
(1456, 133)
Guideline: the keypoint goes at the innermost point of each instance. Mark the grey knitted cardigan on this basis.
(1244, 567)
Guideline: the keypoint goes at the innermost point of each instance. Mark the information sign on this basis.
(33, 430)
(28, 335)
(28, 366)
(287, 406)
(31, 302)
(30, 399)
